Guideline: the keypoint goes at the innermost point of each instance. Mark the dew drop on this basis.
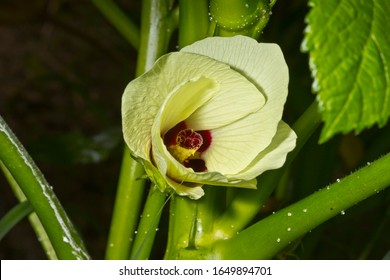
(278, 240)
(289, 229)
(135, 232)
(315, 85)
(320, 102)
(304, 47)
(342, 212)
(289, 214)
(157, 229)
(304, 210)
(368, 163)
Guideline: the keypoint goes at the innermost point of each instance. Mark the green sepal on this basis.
(152, 174)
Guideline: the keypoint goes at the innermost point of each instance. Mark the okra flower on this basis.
(210, 114)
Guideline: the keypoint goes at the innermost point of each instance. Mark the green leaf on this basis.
(349, 46)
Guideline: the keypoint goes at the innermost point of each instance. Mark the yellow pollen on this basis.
(181, 154)
(187, 143)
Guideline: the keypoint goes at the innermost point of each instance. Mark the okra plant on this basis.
(206, 142)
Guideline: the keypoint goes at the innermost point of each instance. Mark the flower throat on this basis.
(187, 145)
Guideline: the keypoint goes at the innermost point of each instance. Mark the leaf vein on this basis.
(352, 91)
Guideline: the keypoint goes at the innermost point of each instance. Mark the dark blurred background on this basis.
(63, 69)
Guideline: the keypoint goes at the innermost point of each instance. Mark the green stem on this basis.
(148, 225)
(191, 223)
(119, 20)
(126, 209)
(277, 231)
(33, 218)
(210, 208)
(157, 26)
(247, 203)
(14, 216)
(194, 21)
(65, 239)
(182, 221)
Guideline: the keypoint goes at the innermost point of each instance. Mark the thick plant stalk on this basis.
(267, 237)
(191, 224)
(127, 207)
(148, 225)
(60, 230)
(194, 21)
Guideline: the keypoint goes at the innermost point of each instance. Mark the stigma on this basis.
(187, 145)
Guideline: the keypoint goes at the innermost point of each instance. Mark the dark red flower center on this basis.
(189, 139)
(187, 145)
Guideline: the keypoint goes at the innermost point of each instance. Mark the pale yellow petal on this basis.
(272, 157)
(185, 100)
(262, 64)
